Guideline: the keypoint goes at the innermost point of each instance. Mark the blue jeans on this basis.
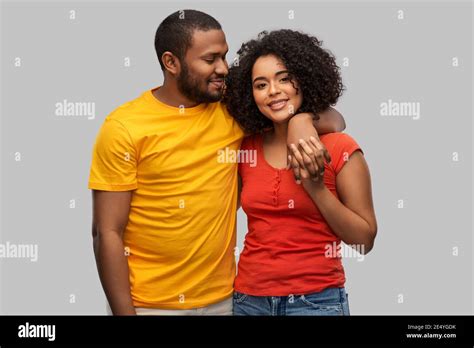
(331, 301)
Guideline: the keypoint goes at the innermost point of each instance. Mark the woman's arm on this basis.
(352, 218)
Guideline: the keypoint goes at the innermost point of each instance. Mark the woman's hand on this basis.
(301, 127)
(308, 160)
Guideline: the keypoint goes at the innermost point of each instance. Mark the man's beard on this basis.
(190, 88)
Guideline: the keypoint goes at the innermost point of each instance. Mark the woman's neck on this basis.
(279, 134)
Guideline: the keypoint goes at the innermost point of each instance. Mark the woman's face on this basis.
(273, 91)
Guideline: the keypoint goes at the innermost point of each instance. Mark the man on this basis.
(164, 208)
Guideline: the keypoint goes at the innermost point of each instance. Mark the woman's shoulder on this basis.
(340, 147)
(338, 141)
(251, 141)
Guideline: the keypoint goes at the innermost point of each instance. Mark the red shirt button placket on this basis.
(276, 186)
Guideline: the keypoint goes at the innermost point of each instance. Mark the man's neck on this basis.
(170, 95)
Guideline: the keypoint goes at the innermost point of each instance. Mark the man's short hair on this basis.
(175, 33)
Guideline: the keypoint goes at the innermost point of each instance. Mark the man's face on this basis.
(204, 67)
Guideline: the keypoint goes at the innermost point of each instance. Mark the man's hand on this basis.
(312, 176)
(301, 127)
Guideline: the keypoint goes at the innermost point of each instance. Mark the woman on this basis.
(287, 266)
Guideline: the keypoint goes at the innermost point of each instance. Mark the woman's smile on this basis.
(278, 104)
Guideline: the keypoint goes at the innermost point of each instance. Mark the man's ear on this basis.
(171, 63)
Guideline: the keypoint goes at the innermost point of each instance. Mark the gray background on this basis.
(83, 60)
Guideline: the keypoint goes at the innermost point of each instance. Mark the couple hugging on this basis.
(164, 206)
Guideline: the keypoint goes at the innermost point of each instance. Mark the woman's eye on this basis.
(285, 79)
(210, 61)
(260, 86)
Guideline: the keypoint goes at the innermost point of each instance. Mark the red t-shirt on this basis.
(288, 238)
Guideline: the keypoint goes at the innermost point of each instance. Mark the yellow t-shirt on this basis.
(181, 230)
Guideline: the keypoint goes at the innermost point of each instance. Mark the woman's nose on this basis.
(273, 89)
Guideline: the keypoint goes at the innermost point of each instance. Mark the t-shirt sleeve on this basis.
(114, 162)
(344, 147)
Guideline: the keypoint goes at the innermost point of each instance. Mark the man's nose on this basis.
(222, 68)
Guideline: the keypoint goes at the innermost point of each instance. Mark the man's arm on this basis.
(303, 124)
(110, 217)
(330, 121)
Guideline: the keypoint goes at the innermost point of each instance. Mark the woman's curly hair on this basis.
(313, 67)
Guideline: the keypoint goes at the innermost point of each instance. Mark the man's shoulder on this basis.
(128, 110)
(221, 107)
